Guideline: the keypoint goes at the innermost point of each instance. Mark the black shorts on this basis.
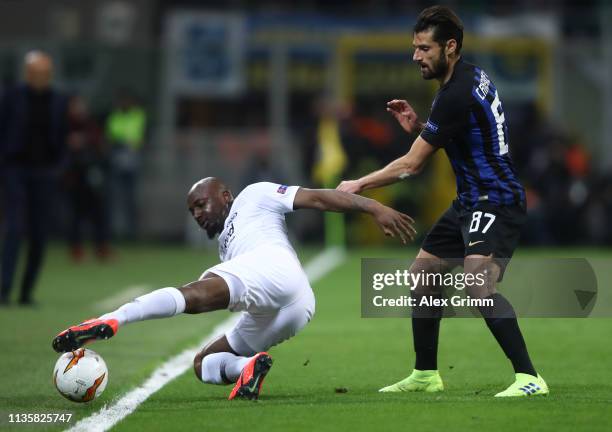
(483, 230)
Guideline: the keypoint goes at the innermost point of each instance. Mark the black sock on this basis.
(425, 332)
(502, 322)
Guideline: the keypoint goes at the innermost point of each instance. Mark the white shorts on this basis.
(271, 289)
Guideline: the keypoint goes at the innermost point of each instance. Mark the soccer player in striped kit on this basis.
(481, 228)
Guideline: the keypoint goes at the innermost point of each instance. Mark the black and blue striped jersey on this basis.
(467, 120)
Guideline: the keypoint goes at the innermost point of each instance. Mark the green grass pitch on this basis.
(337, 350)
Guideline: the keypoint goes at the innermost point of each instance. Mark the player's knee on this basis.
(484, 276)
(198, 361)
(425, 266)
(197, 365)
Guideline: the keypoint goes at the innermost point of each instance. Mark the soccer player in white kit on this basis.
(259, 276)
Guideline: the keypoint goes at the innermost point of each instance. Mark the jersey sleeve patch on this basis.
(271, 196)
(431, 127)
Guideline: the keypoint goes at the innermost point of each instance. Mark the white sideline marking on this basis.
(128, 294)
(111, 414)
(323, 263)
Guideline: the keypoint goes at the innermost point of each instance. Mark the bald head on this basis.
(208, 184)
(38, 70)
(209, 201)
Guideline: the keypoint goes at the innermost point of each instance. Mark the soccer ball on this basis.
(80, 375)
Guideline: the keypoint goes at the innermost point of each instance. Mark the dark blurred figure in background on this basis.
(125, 131)
(86, 180)
(562, 187)
(259, 166)
(32, 140)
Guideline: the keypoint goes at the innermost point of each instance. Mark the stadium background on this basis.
(239, 90)
(295, 93)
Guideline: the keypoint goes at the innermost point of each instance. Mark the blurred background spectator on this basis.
(125, 131)
(86, 181)
(32, 144)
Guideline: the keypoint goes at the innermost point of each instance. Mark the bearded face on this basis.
(209, 207)
(437, 69)
(430, 56)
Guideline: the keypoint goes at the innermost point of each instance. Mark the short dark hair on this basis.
(444, 22)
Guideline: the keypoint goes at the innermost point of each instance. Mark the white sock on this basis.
(161, 303)
(231, 364)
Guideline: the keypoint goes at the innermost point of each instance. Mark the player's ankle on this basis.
(426, 372)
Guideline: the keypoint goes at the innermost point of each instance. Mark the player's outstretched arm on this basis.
(390, 221)
(408, 165)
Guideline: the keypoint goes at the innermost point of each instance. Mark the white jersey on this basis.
(257, 218)
(265, 279)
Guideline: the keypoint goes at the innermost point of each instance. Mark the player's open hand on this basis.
(350, 186)
(395, 224)
(404, 114)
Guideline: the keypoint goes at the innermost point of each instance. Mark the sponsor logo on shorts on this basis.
(470, 244)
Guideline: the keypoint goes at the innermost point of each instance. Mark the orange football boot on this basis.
(76, 336)
(252, 376)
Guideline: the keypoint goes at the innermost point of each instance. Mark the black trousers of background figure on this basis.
(26, 205)
(88, 205)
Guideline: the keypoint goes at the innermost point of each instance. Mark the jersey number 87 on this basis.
(477, 217)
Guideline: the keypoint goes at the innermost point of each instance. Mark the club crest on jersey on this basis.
(431, 127)
(281, 189)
